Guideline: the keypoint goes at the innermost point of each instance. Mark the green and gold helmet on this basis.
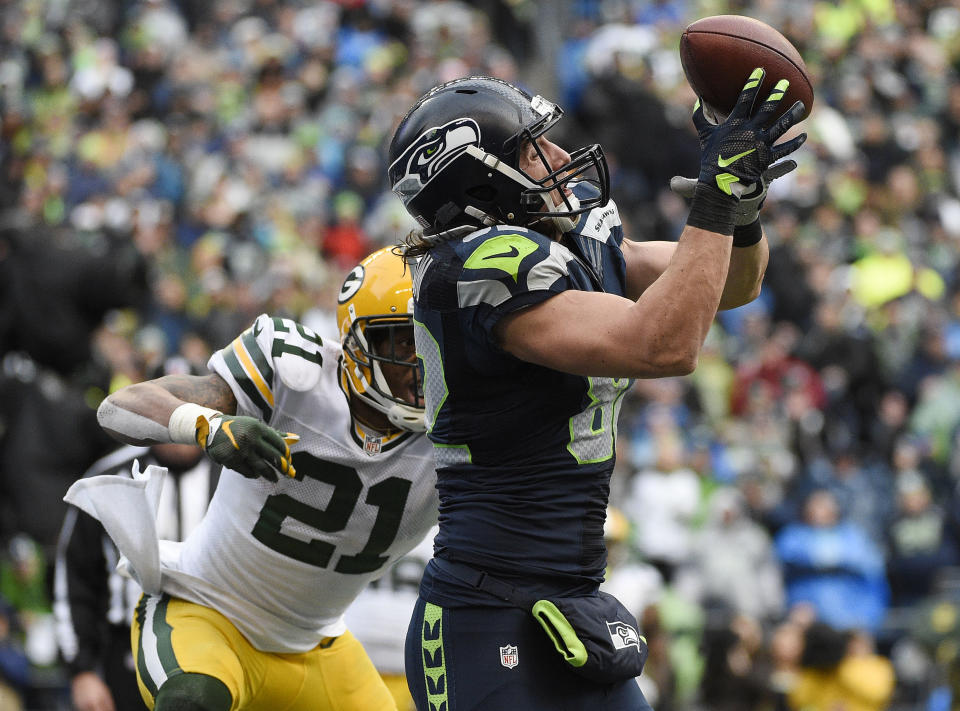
(375, 318)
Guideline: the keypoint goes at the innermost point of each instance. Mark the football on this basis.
(719, 52)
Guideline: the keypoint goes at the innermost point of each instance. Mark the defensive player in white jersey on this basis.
(380, 615)
(250, 614)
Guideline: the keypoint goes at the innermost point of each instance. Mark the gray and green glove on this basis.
(735, 154)
(246, 445)
(751, 200)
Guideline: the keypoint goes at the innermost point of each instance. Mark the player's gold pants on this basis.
(397, 683)
(170, 636)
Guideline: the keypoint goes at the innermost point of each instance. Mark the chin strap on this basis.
(407, 418)
(564, 223)
(402, 416)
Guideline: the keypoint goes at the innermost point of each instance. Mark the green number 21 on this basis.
(389, 496)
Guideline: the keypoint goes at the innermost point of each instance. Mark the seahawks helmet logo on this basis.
(351, 285)
(427, 156)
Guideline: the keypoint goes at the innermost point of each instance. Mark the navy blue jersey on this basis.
(524, 453)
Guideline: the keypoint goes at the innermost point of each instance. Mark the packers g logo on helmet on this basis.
(375, 316)
(351, 284)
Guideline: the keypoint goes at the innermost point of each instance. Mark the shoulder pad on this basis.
(502, 262)
(503, 249)
(272, 352)
(296, 351)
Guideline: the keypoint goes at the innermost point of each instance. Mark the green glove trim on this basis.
(249, 446)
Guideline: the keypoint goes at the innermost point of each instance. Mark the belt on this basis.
(482, 580)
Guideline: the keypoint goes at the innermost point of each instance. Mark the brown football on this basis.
(719, 52)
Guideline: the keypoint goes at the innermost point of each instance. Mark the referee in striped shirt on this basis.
(93, 604)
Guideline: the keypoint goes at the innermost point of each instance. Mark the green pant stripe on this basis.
(434, 663)
(141, 615)
(163, 630)
(156, 661)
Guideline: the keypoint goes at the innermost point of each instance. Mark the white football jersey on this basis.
(283, 560)
(380, 615)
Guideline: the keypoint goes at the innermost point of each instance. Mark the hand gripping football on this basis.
(718, 53)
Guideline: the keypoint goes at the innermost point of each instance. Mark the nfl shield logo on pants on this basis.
(509, 657)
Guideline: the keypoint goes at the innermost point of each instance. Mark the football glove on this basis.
(734, 154)
(246, 445)
(751, 200)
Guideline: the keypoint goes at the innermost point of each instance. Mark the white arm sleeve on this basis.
(136, 427)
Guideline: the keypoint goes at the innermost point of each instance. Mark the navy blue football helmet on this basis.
(454, 159)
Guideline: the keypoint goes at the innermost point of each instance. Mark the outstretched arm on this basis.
(599, 334)
(646, 261)
(199, 410)
(661, 332)
(139, 414)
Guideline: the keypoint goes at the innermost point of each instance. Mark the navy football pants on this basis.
(468, 659)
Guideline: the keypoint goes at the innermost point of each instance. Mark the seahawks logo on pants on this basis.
(435, 149)
(623, 635)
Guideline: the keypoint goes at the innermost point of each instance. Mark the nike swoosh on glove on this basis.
(247, 445)
(737, 152)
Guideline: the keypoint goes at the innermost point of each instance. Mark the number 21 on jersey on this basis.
(388, 496)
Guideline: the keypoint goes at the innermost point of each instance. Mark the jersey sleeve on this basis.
(511, 269)
(273, 354)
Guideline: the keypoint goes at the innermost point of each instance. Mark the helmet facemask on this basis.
(538, 197)
(379, 349)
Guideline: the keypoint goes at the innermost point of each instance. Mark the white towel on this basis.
(127, 508)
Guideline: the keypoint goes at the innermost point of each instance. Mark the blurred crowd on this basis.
(785, 521)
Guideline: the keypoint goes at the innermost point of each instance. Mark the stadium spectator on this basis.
(840, 670)
(733, 565)
(736, 669)
(832, 564)
(662, 502)
(14, 664)
(56, 287)
(921, 542)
